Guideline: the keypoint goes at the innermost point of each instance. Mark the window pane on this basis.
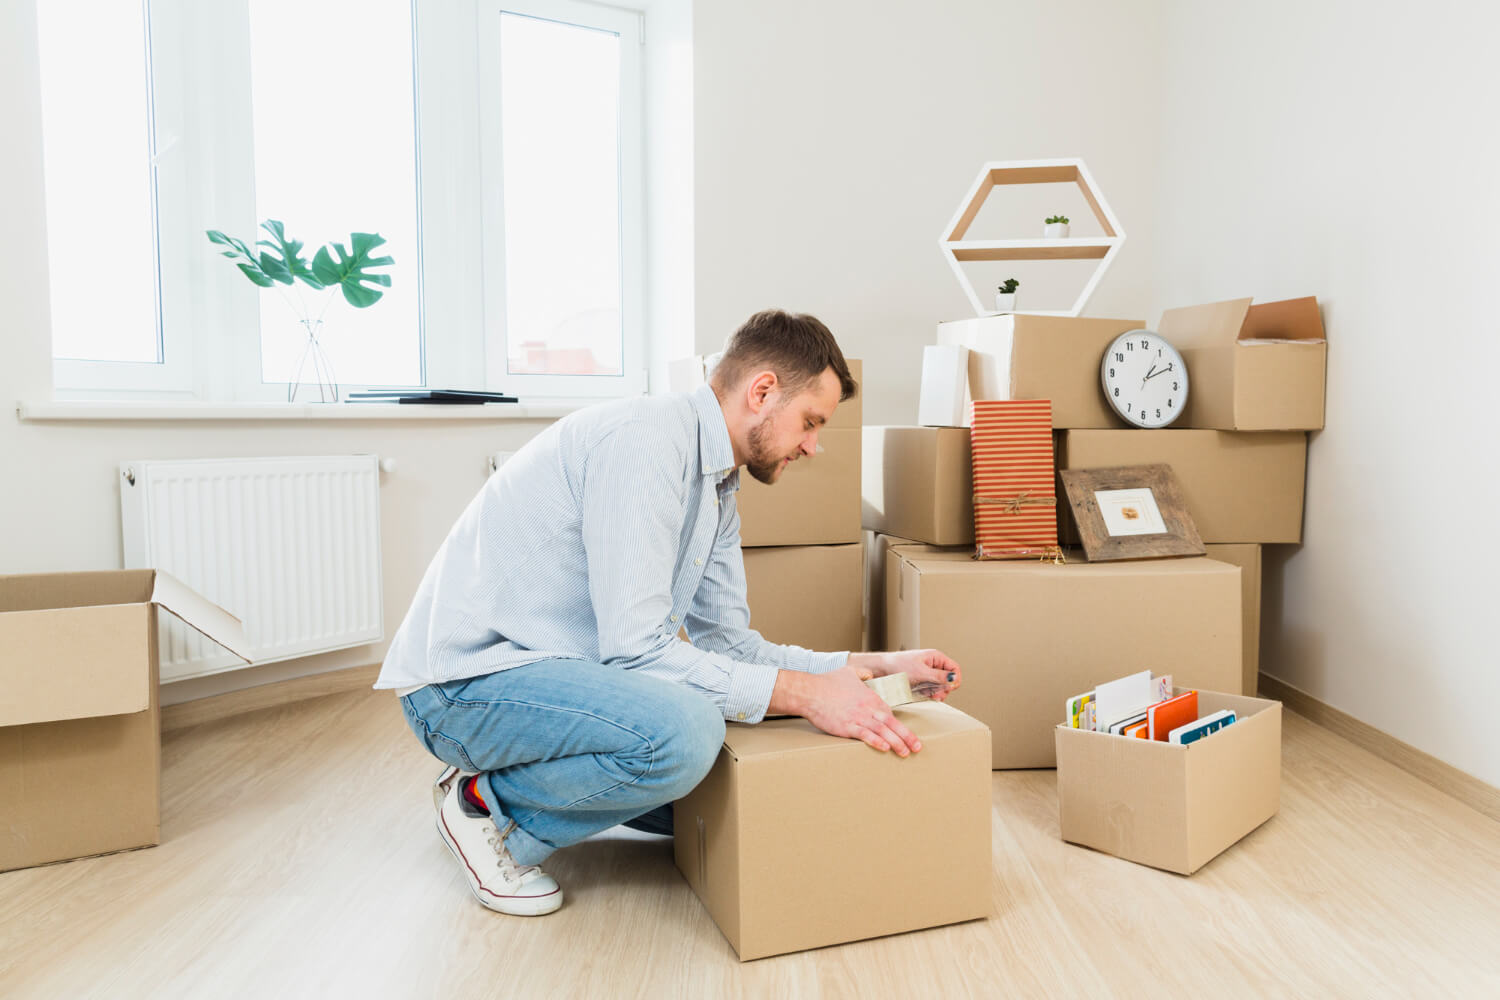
(96, 142)
(561, 174)
(335, 153)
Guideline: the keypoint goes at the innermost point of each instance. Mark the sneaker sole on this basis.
(516, 906)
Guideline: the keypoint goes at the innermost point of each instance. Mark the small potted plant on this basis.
(1057, 227)
(1005, 296)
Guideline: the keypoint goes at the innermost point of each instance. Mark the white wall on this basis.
(1347, 150)
(835, 140)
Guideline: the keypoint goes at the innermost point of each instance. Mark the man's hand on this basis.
(931, 672)
(840, 704)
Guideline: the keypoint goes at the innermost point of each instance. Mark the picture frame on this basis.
(1130, 512)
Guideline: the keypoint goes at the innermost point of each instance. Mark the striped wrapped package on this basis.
(1015, 496)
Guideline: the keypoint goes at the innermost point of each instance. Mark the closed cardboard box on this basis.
(815, 502)
(1171, 806)
(1247, 558)
(797, 839)
(1016, 356)
(1237, 487)
(686, 374)
(808, 595)
(1251, 368)
(918, 483)
(1029, 635)
(80, 732)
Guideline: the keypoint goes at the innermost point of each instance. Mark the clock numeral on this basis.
(1129, 345)
(1117, 392)
(1174, 386)
(1111, 373)
(1145, 345)
(1127, 407)
(1169, 404)
(1158, 413)
(1158, 352)
(1119, 356)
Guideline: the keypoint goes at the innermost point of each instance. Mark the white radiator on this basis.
(290, 546)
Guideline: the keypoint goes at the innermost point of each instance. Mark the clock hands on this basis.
(1153, 373)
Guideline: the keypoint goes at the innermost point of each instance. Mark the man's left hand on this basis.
(930, 670)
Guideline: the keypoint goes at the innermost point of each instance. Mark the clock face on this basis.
(1144, 378)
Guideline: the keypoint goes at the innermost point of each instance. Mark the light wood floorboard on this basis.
(299, 860)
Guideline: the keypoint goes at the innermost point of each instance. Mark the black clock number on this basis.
(1174, 386)
(1158, 413)
(1145, 345)
(1119, 357)
(1117, 392)
(1129, 345)
(1111, 373)
(1169, 404)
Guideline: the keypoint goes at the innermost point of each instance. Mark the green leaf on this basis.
(351, 270)
(289, 262)
(247, 262)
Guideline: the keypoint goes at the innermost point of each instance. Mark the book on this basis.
(1123, 698)
(1118, 728)
(1165, 716)
(1137, 731)
(1195, 731)
(1073, 709)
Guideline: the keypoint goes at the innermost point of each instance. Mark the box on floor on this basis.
(918, 483)
(1030, 634)
(1238, 487)
(792, 840)
(808, 595)
(1251, 368)
(1018, 356)
(80, 722)
(1167, 805)
(1248, 559)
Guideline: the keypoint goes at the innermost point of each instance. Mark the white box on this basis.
(945, 383)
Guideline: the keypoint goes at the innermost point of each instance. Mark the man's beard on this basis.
(761, 463)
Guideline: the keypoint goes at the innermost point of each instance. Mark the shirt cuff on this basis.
(750, 686)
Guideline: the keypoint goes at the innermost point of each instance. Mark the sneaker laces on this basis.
(509, 867)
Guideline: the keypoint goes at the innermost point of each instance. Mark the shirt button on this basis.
(674, 618)
(716, 501)
(741, 716)
(697, 562)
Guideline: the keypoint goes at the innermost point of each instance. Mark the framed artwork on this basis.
(1130, 512)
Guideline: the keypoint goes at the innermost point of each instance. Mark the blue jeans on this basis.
(568, 748)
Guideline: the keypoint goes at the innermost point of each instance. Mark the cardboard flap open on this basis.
(1217, 324)
(201, 614)
(74, 663)
(1290, 321)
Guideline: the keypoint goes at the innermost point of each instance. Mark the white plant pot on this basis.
(1005, 302)
(1056, 231)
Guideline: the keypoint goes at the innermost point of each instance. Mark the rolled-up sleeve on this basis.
(720, 617)
(633, 497)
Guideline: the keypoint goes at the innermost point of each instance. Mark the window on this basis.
(495, 146)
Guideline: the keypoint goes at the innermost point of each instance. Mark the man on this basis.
(540, 659)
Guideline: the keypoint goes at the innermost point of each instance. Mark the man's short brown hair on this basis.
(797, 347)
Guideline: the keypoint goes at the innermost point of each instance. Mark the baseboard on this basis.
(1443, 776)
(222, 706)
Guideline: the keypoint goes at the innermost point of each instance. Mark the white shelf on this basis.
(1084, 248)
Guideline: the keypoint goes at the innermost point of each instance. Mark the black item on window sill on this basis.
(460, 396)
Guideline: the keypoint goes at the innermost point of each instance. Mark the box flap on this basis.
(200, 613)
(1217, 324)
(1288, 321)
(74, 663)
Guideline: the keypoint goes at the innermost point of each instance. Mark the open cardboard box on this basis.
(794, 840)
(1171, 806)
(80, 726)
(1251, 368)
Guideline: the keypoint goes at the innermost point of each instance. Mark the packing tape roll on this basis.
(894, 689)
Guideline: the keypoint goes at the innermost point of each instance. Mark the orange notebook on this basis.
(1165, 716)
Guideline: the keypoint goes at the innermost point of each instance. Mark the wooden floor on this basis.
(299, 860)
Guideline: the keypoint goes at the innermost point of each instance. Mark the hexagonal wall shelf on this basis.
(957, 249)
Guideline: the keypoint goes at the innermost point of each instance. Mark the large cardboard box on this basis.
(1238, 487)
(808, 595)
(918, 483)
(80, 730)
(1248, 559)
(877, 555)
(1031, 634)
(1170, 806)
(815, 502)
(1251, 368)
(1016, 356)
(796, 838)
(686, 374)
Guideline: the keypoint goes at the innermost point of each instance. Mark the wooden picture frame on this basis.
(1130, 512)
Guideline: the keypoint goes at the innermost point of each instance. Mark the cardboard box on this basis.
(945, 386)
(1016, 356)
(1030, 634)
(1248, 559)
(815, 502)
(1238, 487)
(1251, 368)
(80, 731)
(808, 595)
(918, 483)
(877, 556)
(1171, 807)
(686, 374)
(796, 838)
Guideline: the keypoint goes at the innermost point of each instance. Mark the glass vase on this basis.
(322, 369)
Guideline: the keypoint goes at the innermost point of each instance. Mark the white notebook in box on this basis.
(1123, 698)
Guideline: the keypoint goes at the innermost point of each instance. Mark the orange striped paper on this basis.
(1015, 497)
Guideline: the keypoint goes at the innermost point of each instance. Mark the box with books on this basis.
(1164, 775)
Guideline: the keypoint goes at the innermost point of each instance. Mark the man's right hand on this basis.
(840, 704)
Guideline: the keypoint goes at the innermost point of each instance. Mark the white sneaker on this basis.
(495, 878)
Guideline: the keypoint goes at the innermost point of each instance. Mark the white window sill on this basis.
(42, 412)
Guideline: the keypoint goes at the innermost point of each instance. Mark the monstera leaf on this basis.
(351, 270)
(285, 262)
(247, 262)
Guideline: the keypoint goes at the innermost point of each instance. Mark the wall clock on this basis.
(1144, 378)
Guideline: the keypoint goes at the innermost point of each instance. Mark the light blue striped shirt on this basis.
(598, 540)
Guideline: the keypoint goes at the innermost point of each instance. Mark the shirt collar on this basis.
(715, 452)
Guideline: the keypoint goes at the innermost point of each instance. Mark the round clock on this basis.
(1144, 378)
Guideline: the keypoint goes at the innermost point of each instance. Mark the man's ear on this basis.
(759, 390)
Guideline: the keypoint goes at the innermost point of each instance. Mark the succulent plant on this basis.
(1011, 284)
